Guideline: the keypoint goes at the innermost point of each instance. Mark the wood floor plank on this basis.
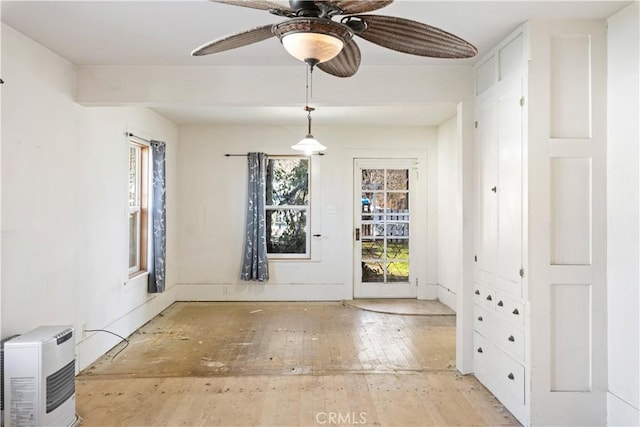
(285, 364)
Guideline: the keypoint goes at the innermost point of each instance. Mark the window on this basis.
(138, 207)
(287, 207)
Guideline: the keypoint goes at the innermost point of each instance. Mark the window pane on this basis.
(134, 220)
(397, 179)
(133, 175)
(373, 249)
(373, 179)
(398, 249)
(288, 182)
(398, 202)
(286, 231)
(398, 272)
(373, 272)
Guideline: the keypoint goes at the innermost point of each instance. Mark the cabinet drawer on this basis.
(511, 374)
(482, 321)
(510, 339)
(484, 297)
(483, 351)
(509, 308)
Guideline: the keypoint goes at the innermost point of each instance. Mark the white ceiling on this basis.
(153, 32)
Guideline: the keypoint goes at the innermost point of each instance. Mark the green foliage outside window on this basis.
(287, 205)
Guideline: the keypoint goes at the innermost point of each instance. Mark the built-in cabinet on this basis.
(499, 318)
(539, 283)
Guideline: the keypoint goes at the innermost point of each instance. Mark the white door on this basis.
(383, 243)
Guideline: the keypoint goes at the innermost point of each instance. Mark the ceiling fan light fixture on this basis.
(313, 40)
(312, 46)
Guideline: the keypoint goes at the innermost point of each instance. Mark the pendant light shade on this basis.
(309, 145)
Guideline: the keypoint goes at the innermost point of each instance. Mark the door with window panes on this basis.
(382, 236)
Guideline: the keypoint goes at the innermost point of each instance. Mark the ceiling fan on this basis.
(312, 35)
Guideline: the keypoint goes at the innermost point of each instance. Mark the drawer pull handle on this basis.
(489, 298)
(511, 377)
(479, 349)
(494, 189)
(500, 303)
(480, 318)
(511, 338)
(515, 311)
(477, 292)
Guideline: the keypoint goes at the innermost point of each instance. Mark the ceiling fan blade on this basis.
(413, 37)
(233, 41)
(258, 4)
(347, 62)
(359, 6)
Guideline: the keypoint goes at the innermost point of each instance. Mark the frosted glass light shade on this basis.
(309, 145)
(321, 47)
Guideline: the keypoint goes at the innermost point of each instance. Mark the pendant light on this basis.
(309, 145)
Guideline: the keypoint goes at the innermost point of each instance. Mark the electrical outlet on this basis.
(225, 289)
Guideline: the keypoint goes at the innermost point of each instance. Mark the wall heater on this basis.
(39, 378)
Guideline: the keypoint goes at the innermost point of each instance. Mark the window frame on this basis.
(141, 206)
(305, 208)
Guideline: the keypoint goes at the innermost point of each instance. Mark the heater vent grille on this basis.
(61, 385)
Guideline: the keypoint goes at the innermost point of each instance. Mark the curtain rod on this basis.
(136, 136)
(245, 155)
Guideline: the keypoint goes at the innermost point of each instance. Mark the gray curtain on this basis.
(255, 265)
(158, 218)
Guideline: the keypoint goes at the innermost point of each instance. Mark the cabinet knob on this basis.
(479, 349)
(494, 189)
(511, 338)
(477, 292)
(500, 303)
(511, 377)
(515, 311)
(480, 318)
(489, 298)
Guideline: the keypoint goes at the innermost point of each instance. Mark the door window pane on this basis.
(398, 272)
(397, 179)
(372, 179)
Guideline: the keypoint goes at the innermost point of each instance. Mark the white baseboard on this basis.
(89, 349)
(262, 292)
(447, 297)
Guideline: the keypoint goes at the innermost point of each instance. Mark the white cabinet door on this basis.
(509, 189)
(487, 180)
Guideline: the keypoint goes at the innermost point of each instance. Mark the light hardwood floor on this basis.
(285, 364)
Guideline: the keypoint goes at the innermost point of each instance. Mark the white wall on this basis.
(623, 223)
(64, 203)
(212, 199)
(449, 212)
